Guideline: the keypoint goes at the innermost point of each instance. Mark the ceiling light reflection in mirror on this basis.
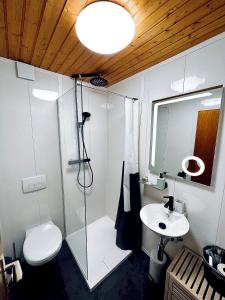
(211, 102)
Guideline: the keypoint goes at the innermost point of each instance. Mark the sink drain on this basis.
(162, 225)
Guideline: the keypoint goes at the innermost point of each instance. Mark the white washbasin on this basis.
(156, 215)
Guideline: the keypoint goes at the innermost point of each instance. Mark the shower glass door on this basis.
(74, 200)
(89, 220)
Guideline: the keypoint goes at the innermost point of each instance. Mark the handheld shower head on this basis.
(85, 116)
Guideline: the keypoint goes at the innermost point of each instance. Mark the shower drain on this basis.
(162, 225)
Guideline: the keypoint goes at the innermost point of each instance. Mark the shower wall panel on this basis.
(95, 132)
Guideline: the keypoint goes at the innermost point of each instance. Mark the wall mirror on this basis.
(184, 135)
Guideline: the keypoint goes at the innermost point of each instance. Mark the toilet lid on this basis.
(42, 242)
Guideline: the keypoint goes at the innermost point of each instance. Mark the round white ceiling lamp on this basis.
(200, 163)
(105, 27)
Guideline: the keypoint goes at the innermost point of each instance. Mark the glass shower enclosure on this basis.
(90, 232)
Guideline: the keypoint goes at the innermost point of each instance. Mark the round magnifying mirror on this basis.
(193, 165)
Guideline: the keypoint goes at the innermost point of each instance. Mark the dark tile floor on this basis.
(61, 280)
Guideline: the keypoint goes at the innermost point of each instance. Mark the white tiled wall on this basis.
(201, 67)
(28, 146)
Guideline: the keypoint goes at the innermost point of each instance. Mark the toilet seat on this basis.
(42, 243)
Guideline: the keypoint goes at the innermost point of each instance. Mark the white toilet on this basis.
(42, 243)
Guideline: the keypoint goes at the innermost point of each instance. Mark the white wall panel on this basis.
(205, 67)
(167, 79)
(29, 146)
(46, 146)
(17, 210)
(164, 80)
(95, 133)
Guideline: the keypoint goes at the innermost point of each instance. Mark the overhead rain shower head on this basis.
(99, 81)
(96, 80)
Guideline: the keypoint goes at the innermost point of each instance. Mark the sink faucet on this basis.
(170, 203)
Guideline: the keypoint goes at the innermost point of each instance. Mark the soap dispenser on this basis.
(161, 183)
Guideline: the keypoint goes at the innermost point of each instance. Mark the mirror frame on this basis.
(218, 136)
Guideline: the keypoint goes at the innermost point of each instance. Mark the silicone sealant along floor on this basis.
(61, 279)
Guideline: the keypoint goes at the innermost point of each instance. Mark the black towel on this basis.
(128, 224)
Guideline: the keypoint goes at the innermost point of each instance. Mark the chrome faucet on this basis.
(170, 203)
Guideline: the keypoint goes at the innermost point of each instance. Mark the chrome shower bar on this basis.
(78, 161)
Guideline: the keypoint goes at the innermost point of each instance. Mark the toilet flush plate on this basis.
(33, 184)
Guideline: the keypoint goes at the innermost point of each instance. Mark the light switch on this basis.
(35, 183)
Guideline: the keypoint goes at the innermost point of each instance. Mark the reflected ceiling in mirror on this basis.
(184, 135)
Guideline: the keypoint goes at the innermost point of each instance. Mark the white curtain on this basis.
(131, 147)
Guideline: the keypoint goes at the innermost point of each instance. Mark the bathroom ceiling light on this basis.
(46, 95)
(199, 162)
(105, 27)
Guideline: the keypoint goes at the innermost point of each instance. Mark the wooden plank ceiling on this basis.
(41, 33)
